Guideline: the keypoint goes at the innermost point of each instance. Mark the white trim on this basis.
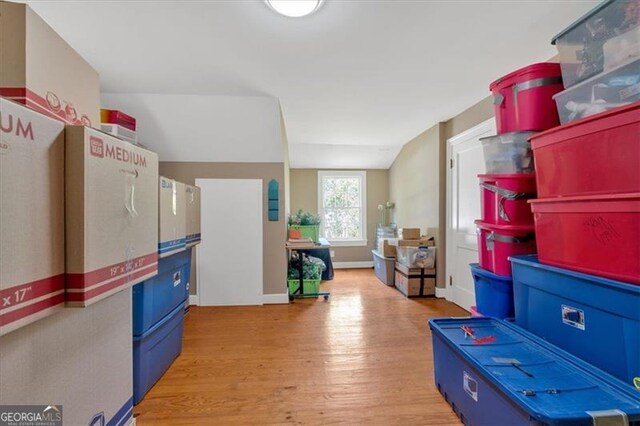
(362, 174)
(353, 265)
(275, 299)
(449, 237)
(349, 243)
(442, 293)
(194, 300)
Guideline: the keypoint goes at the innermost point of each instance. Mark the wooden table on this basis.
(299, 248)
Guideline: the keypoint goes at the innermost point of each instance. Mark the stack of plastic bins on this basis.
(600, 60)
(158, 316)
(524, 105)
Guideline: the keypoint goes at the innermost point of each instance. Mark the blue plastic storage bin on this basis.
(154, 298)
(594, 318)
(515, 378)
(155, 351)
(494, 293)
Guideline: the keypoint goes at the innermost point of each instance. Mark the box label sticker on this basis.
(573, 317)
(630, 91)
(505, 360)
(96, 146)
(470, 385)
(176, 279)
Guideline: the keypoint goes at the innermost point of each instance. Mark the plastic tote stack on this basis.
(524, 105)
(582, 292)
(158, 303)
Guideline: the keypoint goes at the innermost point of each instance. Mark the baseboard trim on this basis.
(275, 299)
(353, 265)
(441, 292)
(194, 300)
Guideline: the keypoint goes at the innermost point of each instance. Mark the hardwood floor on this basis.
(363, 357)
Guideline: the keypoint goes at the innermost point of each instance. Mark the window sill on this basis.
(348, 243)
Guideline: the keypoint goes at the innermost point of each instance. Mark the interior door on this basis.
(466, 161)
(230, 255)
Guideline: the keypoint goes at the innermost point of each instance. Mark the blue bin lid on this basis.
(549, 384)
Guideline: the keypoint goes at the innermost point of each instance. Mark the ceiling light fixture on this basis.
(295, 8)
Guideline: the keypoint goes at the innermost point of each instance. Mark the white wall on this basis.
(205, 128)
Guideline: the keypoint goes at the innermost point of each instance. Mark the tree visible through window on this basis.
(342, 204)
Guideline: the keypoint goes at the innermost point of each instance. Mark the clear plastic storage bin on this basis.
(508, 153)
(603, 39)
(417, 257)
(613, 89)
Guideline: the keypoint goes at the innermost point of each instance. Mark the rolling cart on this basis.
(299, 292)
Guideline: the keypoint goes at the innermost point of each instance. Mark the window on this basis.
(342, 200)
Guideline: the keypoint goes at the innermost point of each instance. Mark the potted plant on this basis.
(308, 224)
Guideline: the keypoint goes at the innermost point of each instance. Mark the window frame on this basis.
(362, 175)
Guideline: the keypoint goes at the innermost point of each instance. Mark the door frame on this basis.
(451, 142)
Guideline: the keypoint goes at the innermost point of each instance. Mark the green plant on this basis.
(302, 218)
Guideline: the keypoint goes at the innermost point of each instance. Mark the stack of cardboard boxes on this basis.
(103, 191)
(415, 273)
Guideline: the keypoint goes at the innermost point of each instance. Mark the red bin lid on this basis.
(533, 71)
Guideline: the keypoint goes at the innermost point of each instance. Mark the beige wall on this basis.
(287, 169)
(418, 178)
(414, 185)
(274, 233)
(304, 195)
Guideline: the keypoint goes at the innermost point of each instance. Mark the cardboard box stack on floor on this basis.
(112, 214)
(192, 195)
(106, 198)
(40, 70)
(172, 217)
(31, 217)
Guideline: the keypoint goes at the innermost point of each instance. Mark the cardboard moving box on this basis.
(111, 214)
(409, 233)
(172, 212)
(40, 70)
(193, 214)
(31, 216)
(79, 358)
(415, 282)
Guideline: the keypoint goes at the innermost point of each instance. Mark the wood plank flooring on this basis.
(363, 357)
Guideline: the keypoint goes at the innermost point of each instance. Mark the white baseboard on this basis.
(441, 292)
(194, 299)
(275, 299)
(353, 265)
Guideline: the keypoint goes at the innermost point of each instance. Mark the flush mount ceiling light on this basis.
(295, 8)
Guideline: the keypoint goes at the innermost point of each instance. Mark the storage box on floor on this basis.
(39, 69)
(111, 203)
(31, 217)
(192, 214)
(494, 373)
(79, 358)
(415, 282)
(172, 219)
(384, 267)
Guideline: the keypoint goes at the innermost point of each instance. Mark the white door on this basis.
(230, 255)
(466, 161)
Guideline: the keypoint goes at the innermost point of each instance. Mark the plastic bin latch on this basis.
(608, 418)
(498, 99)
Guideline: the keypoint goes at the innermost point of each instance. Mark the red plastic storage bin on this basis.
(523, 99)
(497, 242)
(597, 235)
(596, 155)
(504, 198)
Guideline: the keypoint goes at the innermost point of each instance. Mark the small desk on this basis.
(300, 248)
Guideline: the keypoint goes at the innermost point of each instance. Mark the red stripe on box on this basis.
(120, 282)
(88, 279)
(23, 293)
(36, 102)
(21, 313)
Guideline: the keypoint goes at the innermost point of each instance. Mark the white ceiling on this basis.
(366, 76)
